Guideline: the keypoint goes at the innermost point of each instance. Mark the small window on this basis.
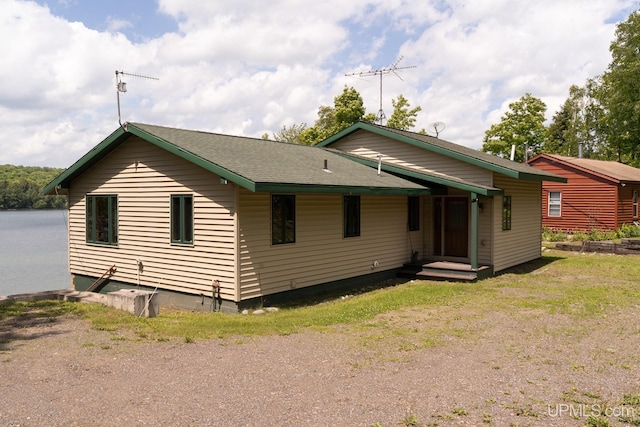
(283, 219)
(102, 219)
(351, 214)
(506, 213)
(182, 219)
(555, 203)
(635, 203)
(414, 213)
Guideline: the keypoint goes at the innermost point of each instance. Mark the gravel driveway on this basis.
(524, 368)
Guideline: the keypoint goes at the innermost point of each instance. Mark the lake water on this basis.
(33, 251)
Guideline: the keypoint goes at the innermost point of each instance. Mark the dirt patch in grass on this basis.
(511, 356)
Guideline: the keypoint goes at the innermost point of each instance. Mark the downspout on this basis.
(473, 243)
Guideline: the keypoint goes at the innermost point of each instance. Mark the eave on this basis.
(442, 151)
(61, 184)
(434, 178)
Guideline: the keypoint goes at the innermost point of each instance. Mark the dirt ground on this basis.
(412, 367)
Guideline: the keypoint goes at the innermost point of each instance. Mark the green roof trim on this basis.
(434, 178)
(193, 158)
(449, 149)
(302, 188)
(254, 164)
(85, 162)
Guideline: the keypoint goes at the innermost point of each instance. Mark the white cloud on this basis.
(250, 66)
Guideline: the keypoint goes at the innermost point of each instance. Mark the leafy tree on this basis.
(20, 188)
(619, 94)
(522, 126)
(402, 118)
(348, 108)
(570, 125)
(290, 134)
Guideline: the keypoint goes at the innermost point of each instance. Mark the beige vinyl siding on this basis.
(367, 144)
(523, 242)
(320, 253)
(144, 177)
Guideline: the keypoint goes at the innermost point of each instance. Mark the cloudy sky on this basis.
(248, 67)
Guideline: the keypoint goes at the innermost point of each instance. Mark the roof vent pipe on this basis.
(379, 163)
(326, 163)
(513, 152)
(580, 151)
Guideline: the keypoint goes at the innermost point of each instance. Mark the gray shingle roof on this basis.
(255, 164)
(264, 162)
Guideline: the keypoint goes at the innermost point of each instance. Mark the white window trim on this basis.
(554, 203)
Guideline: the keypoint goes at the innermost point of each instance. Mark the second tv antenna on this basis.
(380, 117)
(122, 86)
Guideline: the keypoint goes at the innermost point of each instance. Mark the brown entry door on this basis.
(451, 226)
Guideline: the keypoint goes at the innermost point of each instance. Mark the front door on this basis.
(451, 226)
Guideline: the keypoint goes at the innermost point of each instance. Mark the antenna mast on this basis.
(380, 72)
(122, 86)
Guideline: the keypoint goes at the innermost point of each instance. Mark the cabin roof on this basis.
(615, 171)
(255, 164)
(449, 149)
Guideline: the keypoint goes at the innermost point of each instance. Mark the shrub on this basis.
(628, 230)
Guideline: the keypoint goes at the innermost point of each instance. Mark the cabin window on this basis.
(555, 203)
(506, 213)
(635, 203)
(414, 213)
(102, 219)
(283, 219)
(351, 214)
(182, 219)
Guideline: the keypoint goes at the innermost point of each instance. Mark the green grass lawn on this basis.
(568, 283)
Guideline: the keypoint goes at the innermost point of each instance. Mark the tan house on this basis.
(219, 221)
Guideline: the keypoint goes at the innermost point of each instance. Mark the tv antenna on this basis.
(380, 72)
(122, 86)
(437, 127)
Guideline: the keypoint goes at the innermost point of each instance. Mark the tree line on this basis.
(21, 188)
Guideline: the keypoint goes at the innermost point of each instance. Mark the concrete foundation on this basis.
(140, 303)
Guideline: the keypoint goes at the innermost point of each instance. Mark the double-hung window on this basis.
(283, 219)
(182, 219)
(555, 203)
(102, 219)
(351, 216)
(635, 203)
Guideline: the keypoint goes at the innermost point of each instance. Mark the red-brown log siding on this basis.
(588, 201)
(625, 203)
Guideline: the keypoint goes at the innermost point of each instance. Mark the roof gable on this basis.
(449, 149)
(608, 169)
(255, 164)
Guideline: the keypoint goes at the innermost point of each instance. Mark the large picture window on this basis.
(351, 214)
(506, 213)
(182, 219)
(283, 219)
(102, 219)
(414, 213)
(555, 203)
